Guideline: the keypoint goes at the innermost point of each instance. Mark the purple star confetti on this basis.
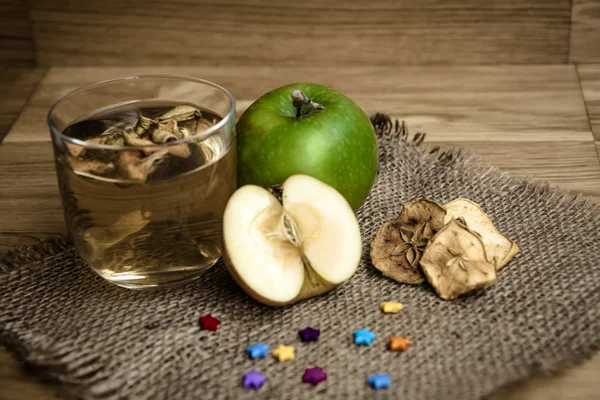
(314, 375)
(253, 380)
(309, 334)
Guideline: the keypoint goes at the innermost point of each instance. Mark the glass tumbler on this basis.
(145, 167)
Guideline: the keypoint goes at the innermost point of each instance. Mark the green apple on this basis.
(308, 129)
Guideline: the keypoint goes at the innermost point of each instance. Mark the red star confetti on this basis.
(209, 323)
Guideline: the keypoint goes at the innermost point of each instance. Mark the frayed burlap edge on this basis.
(61, 365)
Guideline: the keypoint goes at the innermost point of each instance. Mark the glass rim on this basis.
(203, 135)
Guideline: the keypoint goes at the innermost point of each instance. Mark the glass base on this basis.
(174, 276)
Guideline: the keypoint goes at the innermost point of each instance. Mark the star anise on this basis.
(415, 241)
(398, 245)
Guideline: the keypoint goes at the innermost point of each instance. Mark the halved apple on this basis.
(280, 252)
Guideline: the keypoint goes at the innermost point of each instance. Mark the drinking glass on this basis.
(147, 215)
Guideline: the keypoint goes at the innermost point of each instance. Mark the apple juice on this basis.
(143, 217)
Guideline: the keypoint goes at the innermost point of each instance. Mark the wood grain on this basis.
(577, 383)
(590, 84)
(12, 240)
(29, 198)
(571, 165)
(525, 119)
(462, 104)
(261, 32)
(585, 32)
(17, 84)
(16, 34)
(16, 383)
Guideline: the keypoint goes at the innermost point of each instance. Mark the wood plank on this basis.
(16, 383)
(585, 32)
(576, 383)
(554, 161)
(590, 85)
(25, 155)
(16, 34)
(257, 32)
(527, 120)
(17, 84)
(12, 240)
(571, 165)
(29, 199)
(489, 103)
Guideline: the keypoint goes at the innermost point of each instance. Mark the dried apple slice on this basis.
(514, 250)
(423, 212)
(280, 253)
(455, 261)
(499, 249)
(397, 247)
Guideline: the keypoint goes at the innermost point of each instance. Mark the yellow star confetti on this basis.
(390, 307)
(284, 353)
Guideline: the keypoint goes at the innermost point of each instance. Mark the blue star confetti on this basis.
(258, 350)
(363, 337)
(379, 381)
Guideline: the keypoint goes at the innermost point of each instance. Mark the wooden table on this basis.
(541, 120)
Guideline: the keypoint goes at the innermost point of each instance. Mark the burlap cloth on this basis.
(542, 314)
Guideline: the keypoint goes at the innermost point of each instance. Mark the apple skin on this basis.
(308, 289)
(336, 145)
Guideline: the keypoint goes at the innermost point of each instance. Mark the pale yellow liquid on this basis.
(158, 233)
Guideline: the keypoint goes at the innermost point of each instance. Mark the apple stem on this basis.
(277, 191)
(300, 100)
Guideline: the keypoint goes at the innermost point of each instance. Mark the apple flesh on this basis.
(312, 130)
(282, 252)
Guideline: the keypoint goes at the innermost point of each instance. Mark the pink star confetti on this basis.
(314, 375)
